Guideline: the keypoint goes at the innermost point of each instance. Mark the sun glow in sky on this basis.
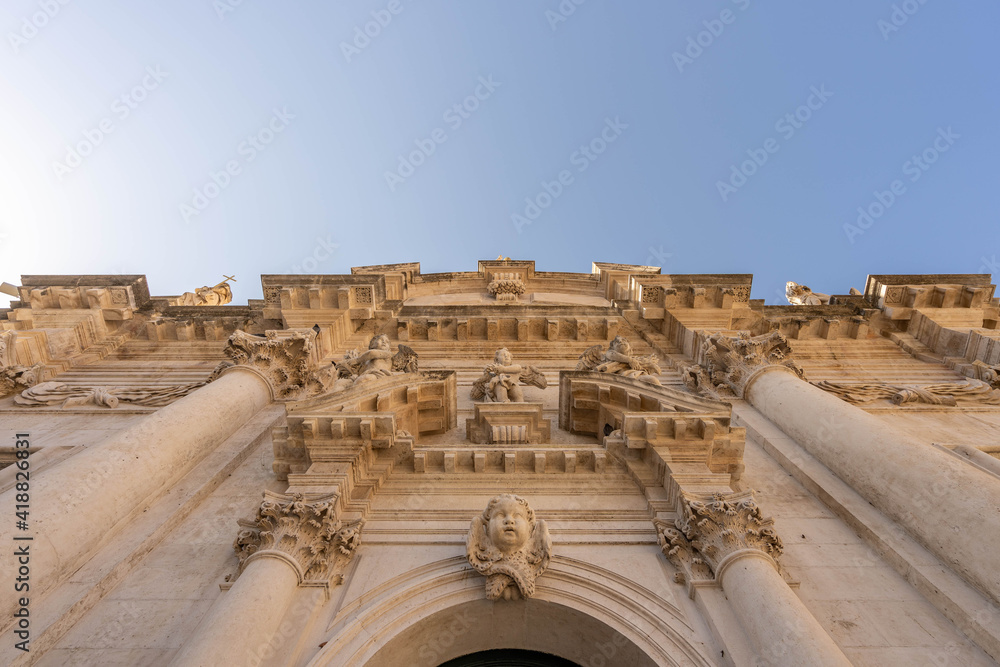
(815, 142)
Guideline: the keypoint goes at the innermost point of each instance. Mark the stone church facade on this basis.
(620, 467)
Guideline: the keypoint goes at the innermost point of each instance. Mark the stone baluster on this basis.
(724, 537)
(293, 540)
(106, 482)
(946, 504)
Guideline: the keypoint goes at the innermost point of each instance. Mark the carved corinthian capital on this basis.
(730, 364)
(286, 359)
(712, 529)
(305, 532)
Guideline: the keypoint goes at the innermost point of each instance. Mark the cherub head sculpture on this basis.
(508, 545)
(503, 357)
(621, 345)
(380, 342)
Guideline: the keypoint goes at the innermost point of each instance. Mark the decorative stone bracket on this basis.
(714, 531)
(306, 533)
(730, 364)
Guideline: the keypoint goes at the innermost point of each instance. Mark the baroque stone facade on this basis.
(658, 470)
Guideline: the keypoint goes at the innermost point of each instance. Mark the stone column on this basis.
(725, 537)
(949, 506)
(292, 541)
(106, 482)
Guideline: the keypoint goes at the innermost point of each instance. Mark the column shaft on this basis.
(780, 628)
(949, 506)
(78, 502)
(239, 626)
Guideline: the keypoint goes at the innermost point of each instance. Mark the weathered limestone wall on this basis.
(408, 595)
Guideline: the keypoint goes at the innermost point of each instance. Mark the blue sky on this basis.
(188, 139)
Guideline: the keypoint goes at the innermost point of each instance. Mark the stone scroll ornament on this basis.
(509, 546)
(377, 361)
(711, 529)
(618, 359)
(970, 392)
(58, 394)
(729, 364)
(501, 381)
(306, 530)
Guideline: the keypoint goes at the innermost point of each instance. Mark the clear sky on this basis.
(191, 138)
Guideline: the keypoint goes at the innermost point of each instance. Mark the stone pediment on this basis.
(423, 402)
(583, 394)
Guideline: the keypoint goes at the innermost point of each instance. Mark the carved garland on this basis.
(950, 393)
(506, 286)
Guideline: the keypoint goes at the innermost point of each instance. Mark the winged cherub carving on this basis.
(501, 380)
(620, 360)
(508, 545)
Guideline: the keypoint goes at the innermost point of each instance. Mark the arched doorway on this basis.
(509, 658)
(583, 614)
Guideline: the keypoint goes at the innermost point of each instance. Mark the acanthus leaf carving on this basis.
(713, 528)
(508, 545)
(285, 358)
(731, 363)
(308, 531)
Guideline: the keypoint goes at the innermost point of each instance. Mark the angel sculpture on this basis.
(509, 546)
(377, 362)
(800, 295)
(501, 380)
(620, 360)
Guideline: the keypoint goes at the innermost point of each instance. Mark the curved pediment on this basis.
(423, 402)
(582, 393)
